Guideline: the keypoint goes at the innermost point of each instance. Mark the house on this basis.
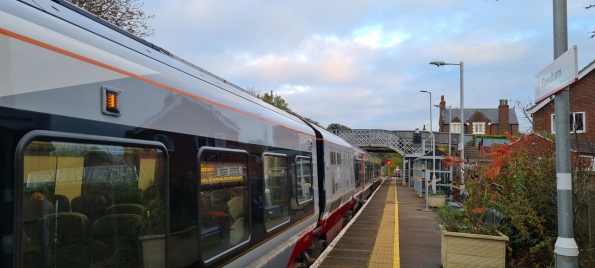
(479, 120)
(582, 109)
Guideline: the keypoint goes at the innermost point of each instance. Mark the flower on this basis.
(477, 210)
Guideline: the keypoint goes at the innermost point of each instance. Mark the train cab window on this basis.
(276, 190)
(304, 180)
(224, 220)
(87, 204)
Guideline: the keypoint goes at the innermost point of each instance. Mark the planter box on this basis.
(183, 252)
(153, 250)
(472, 250)
(436, 201)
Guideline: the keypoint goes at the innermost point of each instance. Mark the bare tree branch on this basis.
(126, 14)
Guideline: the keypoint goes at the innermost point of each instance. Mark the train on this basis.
(117, 153)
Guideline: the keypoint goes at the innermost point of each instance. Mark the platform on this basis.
(391, 230)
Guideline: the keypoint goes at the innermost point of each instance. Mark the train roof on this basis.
(90, 23)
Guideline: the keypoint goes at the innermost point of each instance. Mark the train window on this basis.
(357, 170)
(89, 204)
(304, 180)
(276, 190)
(224, 220)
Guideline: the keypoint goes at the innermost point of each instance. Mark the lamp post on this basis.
(433, 151)
(461, 65)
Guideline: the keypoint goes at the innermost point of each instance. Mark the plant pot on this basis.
(183, 252)
(436, 201)
(472, 250)
(153, 250)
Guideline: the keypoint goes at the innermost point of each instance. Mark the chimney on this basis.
(503, 115)
(442, 113)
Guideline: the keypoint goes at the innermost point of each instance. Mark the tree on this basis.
(523, 108)
(279, 102)
(593, 32)
(332, 126)
(126, 14)
(254, 91)
(519, 182)
(396, 161)
(313, 122)
(276, 100)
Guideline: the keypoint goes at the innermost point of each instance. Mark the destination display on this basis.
(221, 179)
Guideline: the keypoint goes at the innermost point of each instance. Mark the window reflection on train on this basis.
(276, 191)
(304, 180)
(98, 200)
(224, 211)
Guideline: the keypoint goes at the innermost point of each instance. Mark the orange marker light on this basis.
(111, 101)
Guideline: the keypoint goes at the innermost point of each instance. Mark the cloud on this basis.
(362, 63)
(375, 38)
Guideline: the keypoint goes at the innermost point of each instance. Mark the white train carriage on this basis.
(117, 153)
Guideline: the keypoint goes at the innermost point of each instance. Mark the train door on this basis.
(276, 201)
(224, 207)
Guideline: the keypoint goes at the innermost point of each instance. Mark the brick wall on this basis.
(493, 130)
(503, 113)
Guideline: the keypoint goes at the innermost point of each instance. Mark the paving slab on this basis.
(391, 231)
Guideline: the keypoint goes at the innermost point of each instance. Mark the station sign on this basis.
(559, 75)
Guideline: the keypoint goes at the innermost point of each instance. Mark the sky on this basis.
(362, 63)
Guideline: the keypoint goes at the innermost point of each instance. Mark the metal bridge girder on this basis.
(379, 138)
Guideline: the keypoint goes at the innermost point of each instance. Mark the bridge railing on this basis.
(381, 139)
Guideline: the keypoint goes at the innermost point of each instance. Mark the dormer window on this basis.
(479, 128)
(455, 127)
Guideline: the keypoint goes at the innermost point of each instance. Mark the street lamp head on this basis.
(438, 63)
(425, 91)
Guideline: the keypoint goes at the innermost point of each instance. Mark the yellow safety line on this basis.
(397, 253)
(384, 246)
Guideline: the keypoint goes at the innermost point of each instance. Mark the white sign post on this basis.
(560, 74)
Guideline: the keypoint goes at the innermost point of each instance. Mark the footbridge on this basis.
(404, 143)
(400, 141)
(375, 140)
